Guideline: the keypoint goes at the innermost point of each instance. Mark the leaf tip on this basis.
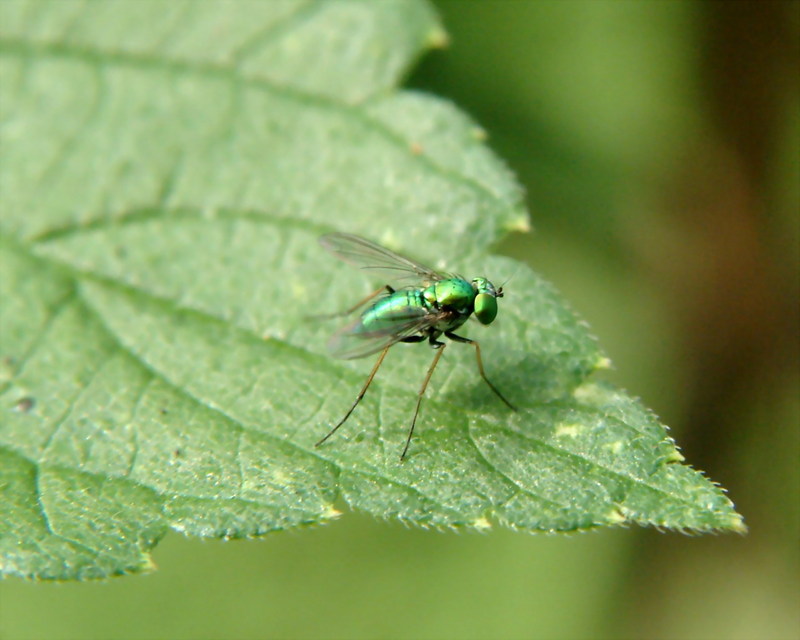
(147, 564)
(482, 524)
(616, 517)
(331, 513)
(603, 363)
(736, 524)
(479, 134)
(674, 456)
(437, 38)
(519, 223)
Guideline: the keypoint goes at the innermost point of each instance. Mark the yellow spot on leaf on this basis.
(615, 447)
(299, 290)
(587, 392)
(568, 430)
(388, 239)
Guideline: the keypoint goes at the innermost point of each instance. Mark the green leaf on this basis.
(166, 170)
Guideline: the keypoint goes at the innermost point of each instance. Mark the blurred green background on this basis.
(659, 143)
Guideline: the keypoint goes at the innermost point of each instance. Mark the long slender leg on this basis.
(358, 399)
(474, 343)
(439, 351)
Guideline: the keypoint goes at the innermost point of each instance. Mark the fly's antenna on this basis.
(507, 280)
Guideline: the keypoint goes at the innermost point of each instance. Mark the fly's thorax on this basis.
(453, 293)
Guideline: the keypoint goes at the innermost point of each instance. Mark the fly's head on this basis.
(486, 300)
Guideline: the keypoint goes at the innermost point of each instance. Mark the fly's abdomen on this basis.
(395, 310)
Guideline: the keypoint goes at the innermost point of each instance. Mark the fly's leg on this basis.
(358, 399)
(357, 305)
(439, 346)
(474, 343)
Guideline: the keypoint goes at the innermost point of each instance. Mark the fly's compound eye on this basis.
(485, 308)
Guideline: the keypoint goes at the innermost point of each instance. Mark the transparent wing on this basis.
(351, 341)
(368, 255)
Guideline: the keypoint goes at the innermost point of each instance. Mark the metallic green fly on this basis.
(436, 304)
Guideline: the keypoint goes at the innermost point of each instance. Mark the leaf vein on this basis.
(56, 309)
(626, 479)
(303, 12)
(94, 57)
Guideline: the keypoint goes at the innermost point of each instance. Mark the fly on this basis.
(437, 304)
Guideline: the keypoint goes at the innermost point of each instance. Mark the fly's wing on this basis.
(353, 341)
(368, 255)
